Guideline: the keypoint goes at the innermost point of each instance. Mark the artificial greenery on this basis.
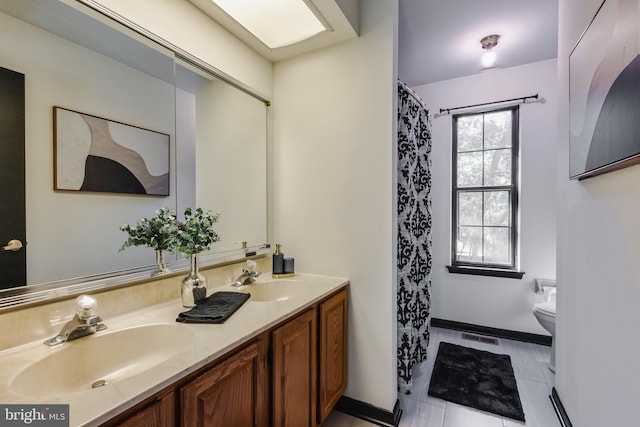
(195, 234)
(158, 232)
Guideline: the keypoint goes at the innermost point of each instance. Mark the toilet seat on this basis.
(545, 312)
(546, 308)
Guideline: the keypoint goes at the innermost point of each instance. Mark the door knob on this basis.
(13, 245)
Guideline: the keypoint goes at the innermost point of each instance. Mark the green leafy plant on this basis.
(158, 232)
(195, 234)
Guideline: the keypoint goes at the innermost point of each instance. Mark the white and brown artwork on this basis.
(96, 154)
(604, 92)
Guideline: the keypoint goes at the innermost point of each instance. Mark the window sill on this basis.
(485, 271)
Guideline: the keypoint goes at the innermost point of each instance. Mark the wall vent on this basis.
(478, 338)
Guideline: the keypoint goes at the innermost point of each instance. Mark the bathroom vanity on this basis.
(281, 359)
(292, 374)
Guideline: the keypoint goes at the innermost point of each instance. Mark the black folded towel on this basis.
(216, 308)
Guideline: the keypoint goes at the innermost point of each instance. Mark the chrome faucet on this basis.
(248, 275)
(84, 323)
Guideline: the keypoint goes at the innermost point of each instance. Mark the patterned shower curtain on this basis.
(414, 234)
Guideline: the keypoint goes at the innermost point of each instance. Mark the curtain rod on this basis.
(413, 95)
(523, 99)
(417, 98)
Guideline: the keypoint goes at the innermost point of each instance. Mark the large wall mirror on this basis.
(76, 58)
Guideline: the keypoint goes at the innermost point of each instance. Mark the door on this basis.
(13, 260)
(235, 392)
(294, 372)
(332, 343)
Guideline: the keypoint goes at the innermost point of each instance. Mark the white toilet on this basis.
(545, 312)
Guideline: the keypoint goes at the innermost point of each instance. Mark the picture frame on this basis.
(604, 92)
(101, 155)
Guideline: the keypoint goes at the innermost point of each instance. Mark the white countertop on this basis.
(209, 341)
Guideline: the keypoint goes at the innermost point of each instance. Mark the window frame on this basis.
(486, 268)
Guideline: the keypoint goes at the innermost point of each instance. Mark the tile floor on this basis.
(420, 410)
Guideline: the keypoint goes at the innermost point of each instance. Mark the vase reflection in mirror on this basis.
(194, 286)
(160, 263)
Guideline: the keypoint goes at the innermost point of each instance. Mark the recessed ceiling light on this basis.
(276, 23)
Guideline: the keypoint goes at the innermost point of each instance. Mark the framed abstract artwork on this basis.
(101, 155)
(604, 92)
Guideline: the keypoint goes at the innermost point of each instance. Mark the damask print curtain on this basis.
(414, 234)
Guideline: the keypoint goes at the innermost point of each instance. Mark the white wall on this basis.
(491, 301)
(231, 163)
(186, 153)
(598, 251)
(72, 234)
(334, 138)
(184, 25)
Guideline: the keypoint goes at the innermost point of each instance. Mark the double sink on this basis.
(109, 357)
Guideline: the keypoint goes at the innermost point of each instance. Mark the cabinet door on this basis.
(294, 372)
(159, 412)
(333, 353)
(235, 392)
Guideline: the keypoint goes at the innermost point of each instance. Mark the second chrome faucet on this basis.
(248, 275)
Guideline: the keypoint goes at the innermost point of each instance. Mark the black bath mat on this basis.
(476, 378)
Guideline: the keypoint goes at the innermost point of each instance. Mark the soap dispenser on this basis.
(278, 260)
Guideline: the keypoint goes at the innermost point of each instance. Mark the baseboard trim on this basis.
(370, 413)
(559, 408)
(495, 332)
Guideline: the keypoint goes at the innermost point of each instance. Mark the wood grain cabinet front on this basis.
(234, 392)
(332, 346)
(294, 372)
(157, 411)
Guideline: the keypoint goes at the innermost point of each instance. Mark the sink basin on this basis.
(276, 290)
(100, 359)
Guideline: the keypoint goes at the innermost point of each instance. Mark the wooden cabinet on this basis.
(294, 372)
(158, 411)
(232, 393)
(290, 376)
(332, 344)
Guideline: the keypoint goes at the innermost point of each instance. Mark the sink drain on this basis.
(98, 383)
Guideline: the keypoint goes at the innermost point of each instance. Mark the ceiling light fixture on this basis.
(276, 23)
(489, 56)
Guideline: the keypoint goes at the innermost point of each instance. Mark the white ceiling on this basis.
(341, 17)
(440, 39)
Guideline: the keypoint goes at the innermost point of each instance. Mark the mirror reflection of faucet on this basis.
(85, 322)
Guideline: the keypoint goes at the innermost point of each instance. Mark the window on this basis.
(485, 193)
